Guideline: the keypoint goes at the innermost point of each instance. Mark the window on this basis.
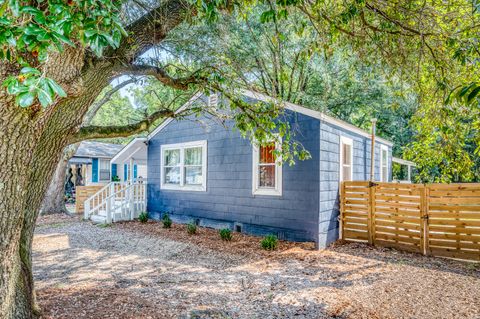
(104, 170)
(184, 166)
(346, 159)
(267, 170)
(383, 163)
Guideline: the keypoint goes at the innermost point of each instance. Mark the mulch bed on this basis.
(241, 244)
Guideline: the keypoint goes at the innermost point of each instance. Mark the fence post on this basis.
(424, 219)
(371, 213)
(342, 209)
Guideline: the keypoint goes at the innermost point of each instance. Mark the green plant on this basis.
(191, 228)
(115, 178)
(143, 217)
(167, 222)
(225, 234)
(269, 242)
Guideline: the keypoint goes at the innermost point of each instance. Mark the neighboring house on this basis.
(131, 160)
(91, 163)
(200, 171)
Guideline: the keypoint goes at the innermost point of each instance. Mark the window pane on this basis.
(104, 175)
(347, 154)
(384, 174)
(266, 153)
(172, 175)
(347, 173)
(193, 156)
(193, 175)
(104, 164)
(172, 157)
(384, 157)
(267, 176)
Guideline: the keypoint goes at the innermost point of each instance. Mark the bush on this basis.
(167, 222)
(225, 234)
(143, 217)
(191, 228)
(269, 242)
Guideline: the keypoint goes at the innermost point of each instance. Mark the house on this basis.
(200, 171)
(131, 161)
(90, 165)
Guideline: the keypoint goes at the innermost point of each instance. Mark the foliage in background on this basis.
(446, 148)
(287, 59)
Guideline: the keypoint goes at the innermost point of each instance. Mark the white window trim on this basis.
(383, 148)
(182, 147)
(345, 141)
(256, 190)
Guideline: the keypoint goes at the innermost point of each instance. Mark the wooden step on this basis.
(97, 219)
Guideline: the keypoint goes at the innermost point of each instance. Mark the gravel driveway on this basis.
(134, 270)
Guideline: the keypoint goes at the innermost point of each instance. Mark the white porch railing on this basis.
(117, 201)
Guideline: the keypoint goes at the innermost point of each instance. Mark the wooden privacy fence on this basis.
(432, 219)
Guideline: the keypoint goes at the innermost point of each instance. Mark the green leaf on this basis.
(267, 16)
(63, 38)
(56, 88)
(44, 97)
(31, 70)
(473, 94)
(25, 99)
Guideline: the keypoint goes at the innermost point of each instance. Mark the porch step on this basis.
(97, 219)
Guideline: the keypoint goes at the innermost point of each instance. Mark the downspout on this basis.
(372, 152)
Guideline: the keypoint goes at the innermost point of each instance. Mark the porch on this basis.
(125, 197)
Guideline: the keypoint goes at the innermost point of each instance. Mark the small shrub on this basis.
(143, 217)
(225, 234)
(167, 222)
(191, 228)
(269, 242)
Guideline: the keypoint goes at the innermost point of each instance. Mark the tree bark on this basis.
(54, 201)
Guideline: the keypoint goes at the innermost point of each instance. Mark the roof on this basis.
(402, 161)
(97, 149)
(290, 106)
(136, 149)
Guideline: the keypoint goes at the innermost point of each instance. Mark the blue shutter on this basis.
(134, 171)
(114, 171)
(125, 172)
(94, 170)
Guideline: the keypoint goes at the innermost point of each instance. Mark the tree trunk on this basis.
(32, 140)
(54, 201)
(30, 148)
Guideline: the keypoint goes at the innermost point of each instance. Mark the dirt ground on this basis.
(134, 270)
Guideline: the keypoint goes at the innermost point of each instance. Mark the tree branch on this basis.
(161, 75)
(94, 131)
(98, 104)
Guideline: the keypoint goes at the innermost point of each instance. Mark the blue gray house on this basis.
(200, 171)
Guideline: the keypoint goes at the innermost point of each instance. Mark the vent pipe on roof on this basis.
(372, 151)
